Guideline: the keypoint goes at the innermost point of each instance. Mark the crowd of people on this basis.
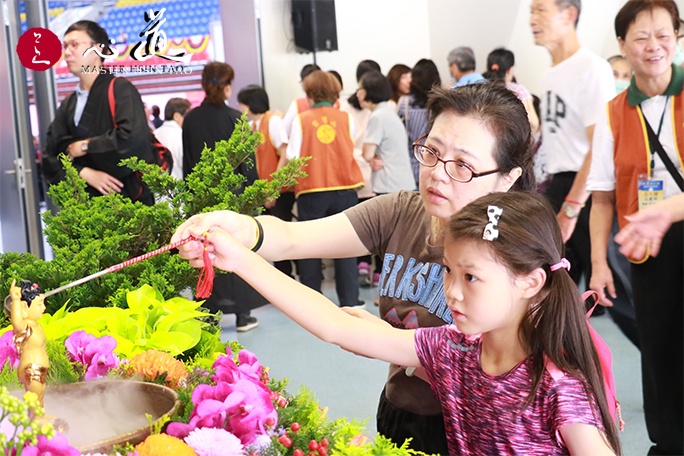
(484, 207)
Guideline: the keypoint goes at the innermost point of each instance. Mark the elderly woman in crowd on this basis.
(637, 159)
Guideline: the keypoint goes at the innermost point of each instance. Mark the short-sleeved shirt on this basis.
(396, 227)
(575, 92)
(386, 131)
(483, 413)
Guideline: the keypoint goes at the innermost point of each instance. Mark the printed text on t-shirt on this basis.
(419, 282)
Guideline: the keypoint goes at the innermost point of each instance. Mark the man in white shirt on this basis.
(170, 133)
(575, 90)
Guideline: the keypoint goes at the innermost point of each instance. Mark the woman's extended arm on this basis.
(329, 237)
(310, 309)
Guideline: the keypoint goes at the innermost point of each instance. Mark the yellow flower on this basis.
(164, 445)
(153, 363)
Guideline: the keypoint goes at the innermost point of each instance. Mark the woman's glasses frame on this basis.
(467, 173)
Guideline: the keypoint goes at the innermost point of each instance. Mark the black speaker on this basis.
(315, 28)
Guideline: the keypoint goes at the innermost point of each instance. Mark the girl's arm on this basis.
(18, 321)
(310, 309)
(582, 439)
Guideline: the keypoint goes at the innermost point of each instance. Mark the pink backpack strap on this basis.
(553, 370)
(112, 100)
(606, 360)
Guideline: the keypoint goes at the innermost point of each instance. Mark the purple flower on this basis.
(57, 446)
(95, 354)
(214, 442)
(8, 351)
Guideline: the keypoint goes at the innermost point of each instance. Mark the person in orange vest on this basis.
(326, 134)
(300, 104)
(271, 154)
(637, 161)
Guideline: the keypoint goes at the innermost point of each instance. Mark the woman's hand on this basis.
(376, 163)
(239, 227)
(645, 228)
(602, 279)
(364, 315)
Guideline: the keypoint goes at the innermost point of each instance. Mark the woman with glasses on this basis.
(478, 142)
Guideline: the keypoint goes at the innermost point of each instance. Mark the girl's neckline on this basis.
(501, 376)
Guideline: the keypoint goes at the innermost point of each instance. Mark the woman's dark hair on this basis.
(394, 77)
(424, 76)
(321, 86)
(93, 29)
(307, 70)
(338, 76)
(29, 291)
(377, 87)
(156, 111)
(499, 61)
(502, 113)
(628, 14)
(364, 67)
(555, 326)
(176, 105)
(215, 77)
(255, 98)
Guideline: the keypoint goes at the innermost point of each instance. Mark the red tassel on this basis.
(205, 284)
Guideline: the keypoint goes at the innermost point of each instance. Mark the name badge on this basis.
(650, 192)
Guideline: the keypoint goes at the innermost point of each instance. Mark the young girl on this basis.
(517, 372)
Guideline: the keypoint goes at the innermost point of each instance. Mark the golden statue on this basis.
(27, 307)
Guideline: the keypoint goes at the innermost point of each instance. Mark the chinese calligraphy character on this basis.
(156, 40)
(37, 37)
(114, 52)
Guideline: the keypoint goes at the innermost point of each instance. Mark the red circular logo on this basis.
(39, 49)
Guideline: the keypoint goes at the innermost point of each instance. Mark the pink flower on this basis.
(95, 354)
(239, 403)
(8, 351)
(214, 442)
(57, 446)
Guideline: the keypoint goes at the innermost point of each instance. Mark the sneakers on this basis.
(359, 304)
(364, 268)
(374, 281)
(245, 323)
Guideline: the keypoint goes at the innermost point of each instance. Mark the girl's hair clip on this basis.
(491, 231)
(563, 263)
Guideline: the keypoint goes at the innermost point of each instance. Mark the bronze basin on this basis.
(102, 414)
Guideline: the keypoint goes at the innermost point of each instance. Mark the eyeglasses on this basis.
(73, 45)
(458, 170)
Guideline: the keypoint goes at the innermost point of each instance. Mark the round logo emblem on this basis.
(39, 49)
(325, 134)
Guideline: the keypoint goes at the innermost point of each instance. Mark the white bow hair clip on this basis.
(491, 231)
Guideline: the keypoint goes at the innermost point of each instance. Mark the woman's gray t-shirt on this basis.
(386, 131)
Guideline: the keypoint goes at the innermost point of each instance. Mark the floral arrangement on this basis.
(229, 405)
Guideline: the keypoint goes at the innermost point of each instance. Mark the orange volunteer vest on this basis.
(266, 153)
(631, 153)
(327, 140)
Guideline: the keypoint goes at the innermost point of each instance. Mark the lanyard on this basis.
(660, 127)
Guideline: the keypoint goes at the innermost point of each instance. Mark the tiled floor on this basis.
(350, 385)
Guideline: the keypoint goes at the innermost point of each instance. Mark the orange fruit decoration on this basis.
(164, 445)
(151, 364)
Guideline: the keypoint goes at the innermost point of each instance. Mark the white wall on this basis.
(404, 31)
(387, 31)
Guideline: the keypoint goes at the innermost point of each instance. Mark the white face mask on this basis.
(679, 55)
(620, 85)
